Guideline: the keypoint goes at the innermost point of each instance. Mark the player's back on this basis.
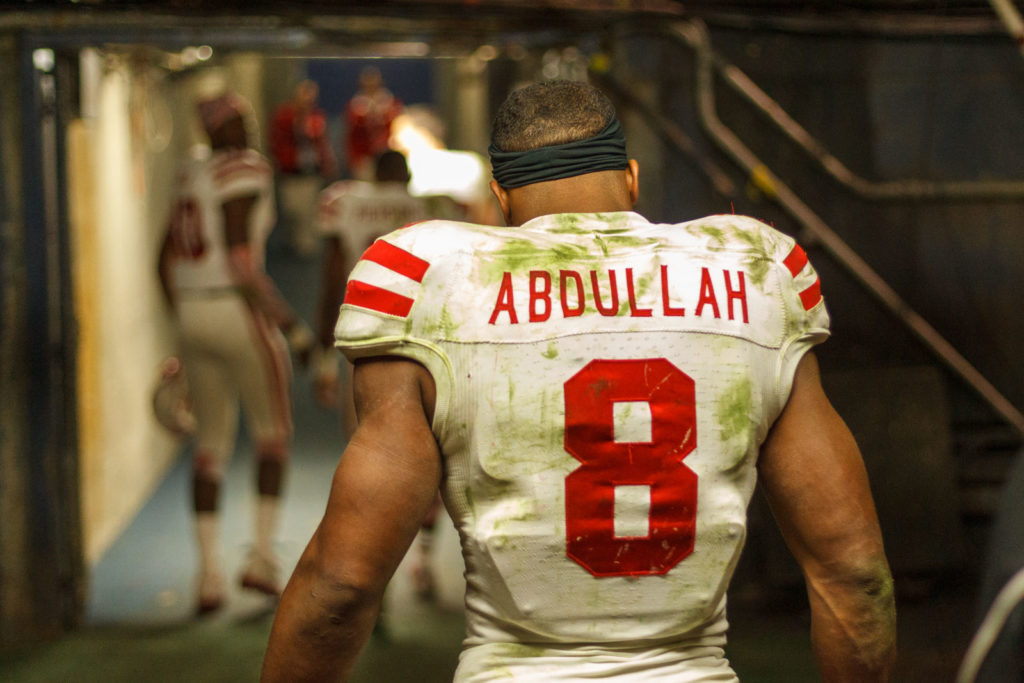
(603, 386)
(197, 226)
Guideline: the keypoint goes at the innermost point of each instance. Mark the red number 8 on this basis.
(590, 489)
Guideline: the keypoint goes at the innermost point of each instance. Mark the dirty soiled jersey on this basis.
(603, 386)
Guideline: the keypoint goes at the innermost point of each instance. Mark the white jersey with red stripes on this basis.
(603, 387)
(197, 218)
(358, 212)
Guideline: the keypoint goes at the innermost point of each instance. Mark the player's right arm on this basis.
(383, 487)
(814, 477)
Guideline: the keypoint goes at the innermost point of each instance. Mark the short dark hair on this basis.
(550, 113)
(391, 166)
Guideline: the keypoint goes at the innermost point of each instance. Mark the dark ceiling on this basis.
(467, 22)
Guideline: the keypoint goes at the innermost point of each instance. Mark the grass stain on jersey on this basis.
(716, 234)
(643, 285)
(567, 230)
(759, 262)
(552, 351)
(443, 327)
(616, 222)
(569, 222)
(565, 254)
(496, 665)
(611, 242)
(518, 256)
(521, 650)
(735, 405)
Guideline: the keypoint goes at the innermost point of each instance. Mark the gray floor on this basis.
(139, 624)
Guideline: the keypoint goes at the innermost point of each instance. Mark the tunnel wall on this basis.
(137, 125)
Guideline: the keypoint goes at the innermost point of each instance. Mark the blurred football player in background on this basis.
(233, 325)
(352, 215)
(301, 149)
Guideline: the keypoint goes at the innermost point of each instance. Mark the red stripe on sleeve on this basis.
(811, 296)
(796, 260)
(397, 260)
(365, 295)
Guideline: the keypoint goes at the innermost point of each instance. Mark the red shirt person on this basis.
(369, 115)
(304, 161)
(298, 135)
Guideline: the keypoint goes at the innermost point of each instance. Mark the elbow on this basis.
(877, 601)
(860, 602)
(345, 601)
(321, 624)
(878, 597)
(872, 591)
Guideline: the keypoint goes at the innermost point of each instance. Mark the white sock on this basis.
(266, 524)
(426, 541)
(208, 535)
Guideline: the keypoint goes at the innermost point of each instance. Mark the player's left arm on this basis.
(382, 489)
(256, 286)
(814, 477)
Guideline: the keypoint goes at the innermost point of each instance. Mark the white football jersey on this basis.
(358, 212)
(197, 217)
(603, 387)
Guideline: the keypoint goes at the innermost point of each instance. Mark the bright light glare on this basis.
(460, 175)
(204, 52)
(435, 170)
(43, 59)
(407, 137)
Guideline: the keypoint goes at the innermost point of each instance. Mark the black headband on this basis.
(606, 151)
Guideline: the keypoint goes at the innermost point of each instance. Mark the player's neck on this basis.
(570, 203)
(600, 192)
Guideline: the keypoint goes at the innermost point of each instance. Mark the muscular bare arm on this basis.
(813, 475)
(382, 489)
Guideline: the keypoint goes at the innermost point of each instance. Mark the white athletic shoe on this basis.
(211, 592)
(262, 573)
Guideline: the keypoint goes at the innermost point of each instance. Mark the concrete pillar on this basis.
(41, 573)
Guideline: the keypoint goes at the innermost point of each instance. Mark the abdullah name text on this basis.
(721, 292)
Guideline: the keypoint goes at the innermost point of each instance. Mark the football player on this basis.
(352, 215)
(231, 319)
(597, 396)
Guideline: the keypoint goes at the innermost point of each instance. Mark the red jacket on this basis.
(285, 131)
(369, 121)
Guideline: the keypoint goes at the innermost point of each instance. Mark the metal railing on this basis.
(694, 36)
